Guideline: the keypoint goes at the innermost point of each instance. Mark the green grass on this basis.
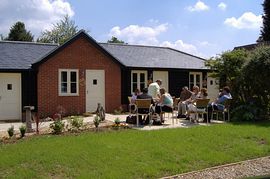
(133, 154)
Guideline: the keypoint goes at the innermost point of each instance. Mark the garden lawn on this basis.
(132, 153)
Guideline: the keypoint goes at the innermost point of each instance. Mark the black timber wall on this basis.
(29, 89)
(125, 85)
(177, 80)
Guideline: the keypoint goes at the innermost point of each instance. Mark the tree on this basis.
(256, 74)
(19, 33)
(265, 30)
(227, 67)
(60, 33)
(115, 40)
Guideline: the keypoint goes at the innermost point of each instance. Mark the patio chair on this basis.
(131, 106)
(143, 107)
(201, 105)
(175, 105)
(168, 116)
(226, 109)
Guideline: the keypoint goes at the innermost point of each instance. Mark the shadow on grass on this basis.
(259, 177)
(263, 123)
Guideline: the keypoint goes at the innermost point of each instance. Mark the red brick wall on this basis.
(81, 55)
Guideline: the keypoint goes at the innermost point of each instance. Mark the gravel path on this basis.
(255, 167)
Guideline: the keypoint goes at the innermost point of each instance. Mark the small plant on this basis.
(117, 121)
(57, 126)
(22, 130)
(96, 121)
(10, 131)
(76, 122)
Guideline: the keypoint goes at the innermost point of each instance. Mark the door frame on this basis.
(195, 73)
(138, 78)
(19, 110)
(86, 86)
(167, 75)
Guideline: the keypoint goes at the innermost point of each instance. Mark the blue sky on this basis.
(200, 27)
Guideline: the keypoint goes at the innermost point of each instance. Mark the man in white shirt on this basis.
(153, 89)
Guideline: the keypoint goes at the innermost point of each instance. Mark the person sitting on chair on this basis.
(165, 104)
(137, 92)
(192, 106)
(218, 104)
(182, 105)
(144, 95)
(191, 101)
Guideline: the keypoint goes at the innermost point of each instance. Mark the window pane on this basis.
(198, 78)
(134, 87)
(63, 87)
(73, 88)
(191, 86)
(191, 78)
(142, 77)
(73, 76)
(134, 77)
(63, 76)
(142, 85)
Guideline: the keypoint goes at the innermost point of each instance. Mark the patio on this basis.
(178, 123)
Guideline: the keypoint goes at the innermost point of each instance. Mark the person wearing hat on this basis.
(153, 89)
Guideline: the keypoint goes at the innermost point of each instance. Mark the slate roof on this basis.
(20, 55)
(250, 47)
(153, 57)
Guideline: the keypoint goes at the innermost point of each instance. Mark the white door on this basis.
(195, 78)
(138, 80)
(95, 89)
(212, 87)
(10, 96)
(163, 75)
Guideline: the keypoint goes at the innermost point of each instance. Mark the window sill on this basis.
(68, 94)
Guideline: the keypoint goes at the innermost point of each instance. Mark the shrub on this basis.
(96, 121)
(57, 126)
(76, 122)
(22, 130)
(10, 131)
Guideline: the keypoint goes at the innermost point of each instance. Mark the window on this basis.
(195, 79)
(138, 80)
(68, 82)
(9, 86)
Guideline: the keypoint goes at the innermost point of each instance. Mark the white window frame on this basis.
(194, 74)
(60, 93)
(138, 79)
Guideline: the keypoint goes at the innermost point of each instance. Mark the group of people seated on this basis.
(187, 102)
(163, 101)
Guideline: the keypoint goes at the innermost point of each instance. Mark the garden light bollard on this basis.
(28, 115)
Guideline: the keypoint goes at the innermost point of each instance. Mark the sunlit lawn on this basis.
(133, 154)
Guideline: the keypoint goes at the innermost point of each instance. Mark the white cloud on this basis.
(222, 6)
(139, 34)
(199, 6)
(149, 35)
(247, 21)
(180, 45)
(37, 15)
